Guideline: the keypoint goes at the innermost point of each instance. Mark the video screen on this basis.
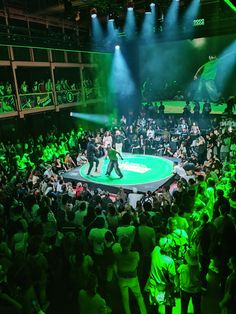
(202, 69)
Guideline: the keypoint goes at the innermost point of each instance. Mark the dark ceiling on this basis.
(219, 18)
(58, 7)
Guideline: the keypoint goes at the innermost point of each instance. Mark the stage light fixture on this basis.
(130, 5)
(152, 4)
(148, 9)
(117, 47)
(111, 16)
(93, 13)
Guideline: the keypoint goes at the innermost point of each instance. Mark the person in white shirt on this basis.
(96, 238)
(150, 133)
(107, 139)
(179, 170)
(134, 197)
(48, 172)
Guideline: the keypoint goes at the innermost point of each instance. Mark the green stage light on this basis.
(231, 4)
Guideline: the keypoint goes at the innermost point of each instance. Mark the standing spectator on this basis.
(96, 238)
(204, 240)
(107, 139)
(119, 139)
(90, 301)
(126, 229)
(228, 303)
(161, 282)
(190, 282)
(226, 236)
(127, 263)
(145, 241)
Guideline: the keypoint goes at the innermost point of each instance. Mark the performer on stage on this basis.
(113, 163)
(91, 155)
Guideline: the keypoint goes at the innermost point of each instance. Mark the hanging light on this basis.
(111, 16)
(130, 5)
(148, 9)
(93, 13)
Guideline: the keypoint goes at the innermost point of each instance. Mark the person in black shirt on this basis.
(91, 155)
(82, 143)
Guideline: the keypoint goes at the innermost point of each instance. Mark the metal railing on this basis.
(36, 100)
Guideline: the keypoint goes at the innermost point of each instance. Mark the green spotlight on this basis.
(231, 4)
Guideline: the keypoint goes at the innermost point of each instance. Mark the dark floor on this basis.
(210, 300)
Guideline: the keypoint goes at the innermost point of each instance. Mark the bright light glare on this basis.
(93, 16)
(117, 47)
(199, 42)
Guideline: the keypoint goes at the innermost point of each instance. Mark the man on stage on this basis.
(113, 163)
(91, 155)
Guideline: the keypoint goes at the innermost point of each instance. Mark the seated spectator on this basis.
(24, 88)
(9, 90)
(2, 89)
(69, 162)
(59, 86)
(48, 86)
(35, 88)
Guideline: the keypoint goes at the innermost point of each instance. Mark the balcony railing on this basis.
(36, 100)
(68, 96)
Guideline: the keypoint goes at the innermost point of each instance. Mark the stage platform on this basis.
(176, 106)
(145, 172)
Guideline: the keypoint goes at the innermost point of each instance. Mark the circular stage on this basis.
(137, 170)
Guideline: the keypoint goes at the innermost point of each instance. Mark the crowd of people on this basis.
(47, 86)
(66, 247)
(40, 86)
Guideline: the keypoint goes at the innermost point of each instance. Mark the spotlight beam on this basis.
(96, 118)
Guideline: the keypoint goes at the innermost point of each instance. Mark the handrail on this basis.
(35, 94)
